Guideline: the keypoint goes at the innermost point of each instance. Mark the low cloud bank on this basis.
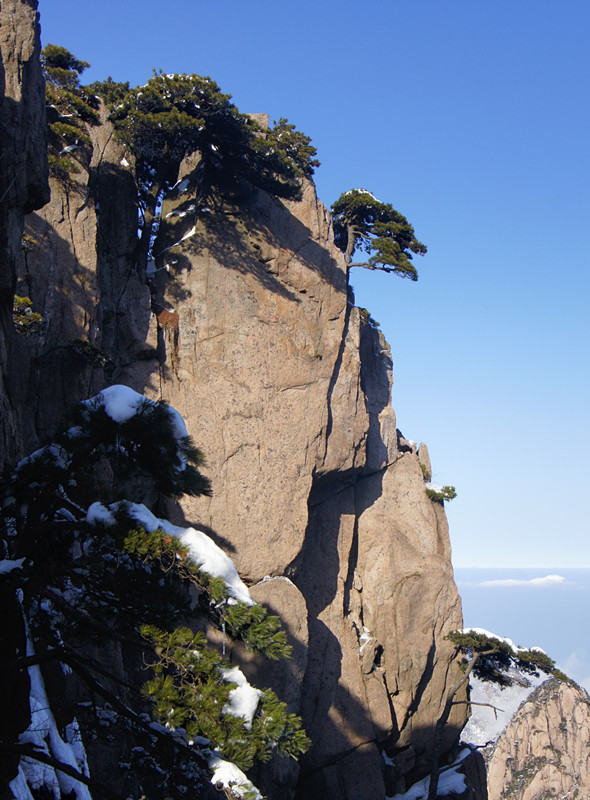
(548, 580)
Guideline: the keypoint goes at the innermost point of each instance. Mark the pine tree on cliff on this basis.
(294, 145)
(173, 116)
(95, 574)
(69, 109)
(363, 223)
(489, 659)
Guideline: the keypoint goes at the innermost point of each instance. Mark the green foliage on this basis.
(70, 134)
(26, 321)
(363, 223)
(119, 579)
(144, 443)
(91, 354)
(367, 319)
(111, 92)
(260, 632)
(175, 115)
(61, 167)
(442, 493)
(189, 691)
(61, 67)
(495, 657)
(293, 145)
(71, 109)
(426, 472)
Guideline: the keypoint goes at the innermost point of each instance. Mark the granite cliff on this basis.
(247, 328)
(246, 324)
(544, 751)
(23, 178)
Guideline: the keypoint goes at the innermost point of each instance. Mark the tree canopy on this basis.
(492, 659)
(293, 145)
(364, 224)
(173, 116)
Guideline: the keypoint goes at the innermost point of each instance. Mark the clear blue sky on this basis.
(472, 119)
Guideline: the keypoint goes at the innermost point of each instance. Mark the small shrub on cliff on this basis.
(26, 321)
(367, 319)
(425, 471)
(440, 493)
(91, 354)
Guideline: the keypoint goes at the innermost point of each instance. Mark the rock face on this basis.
(23, 187)
(545, 749)
(80, 274)
(246, 326)
(23, 180)
(287, 391)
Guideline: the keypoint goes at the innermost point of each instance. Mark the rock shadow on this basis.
(53, 373)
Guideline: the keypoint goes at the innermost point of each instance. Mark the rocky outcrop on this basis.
(23, 182)
(246, 325)
(545, 749)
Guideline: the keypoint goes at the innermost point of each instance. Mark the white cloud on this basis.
(548, 580)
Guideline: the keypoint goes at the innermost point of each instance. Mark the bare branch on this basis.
(484, 705)
(30, 751)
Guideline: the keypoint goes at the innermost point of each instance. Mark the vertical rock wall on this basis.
(80, 274)
(23, 184)
(247, 328)
(287, 391)
(23, 187)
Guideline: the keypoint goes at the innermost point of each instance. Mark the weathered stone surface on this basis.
(23, 183)
(80, 273)
(261, 300)
(545, 749)
(424, 459)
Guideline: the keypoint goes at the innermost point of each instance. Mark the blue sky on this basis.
(473, 120)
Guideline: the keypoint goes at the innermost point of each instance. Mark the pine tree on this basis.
(89, 563)
(363, 223)
(70, 108)
(294, 145)
(173, 116)
(490, 659)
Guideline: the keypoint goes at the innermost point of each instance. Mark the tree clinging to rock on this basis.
(363, 223)
(172, 116)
